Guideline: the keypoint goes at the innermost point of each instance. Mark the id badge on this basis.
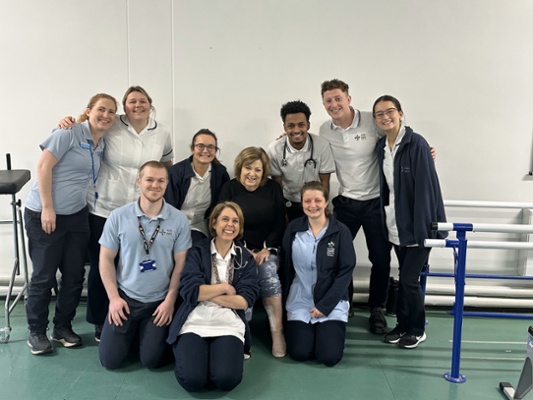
(147, 265)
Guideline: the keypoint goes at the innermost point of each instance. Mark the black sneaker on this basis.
(409, 341)
(39, 343)
(393, 336)
(66, 337)
(97, 332)
(377, 321)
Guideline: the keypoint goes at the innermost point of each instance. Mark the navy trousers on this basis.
(208, 363)
(65, 250)
(410, 311)
(323, 341)
(117, 342)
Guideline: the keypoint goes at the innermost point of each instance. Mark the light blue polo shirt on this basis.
(76, 169)
(121, 232)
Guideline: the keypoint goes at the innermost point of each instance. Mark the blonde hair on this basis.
(141, 90)
(248, 156)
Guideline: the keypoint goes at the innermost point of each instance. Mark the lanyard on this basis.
(148, 245)
(95, 176)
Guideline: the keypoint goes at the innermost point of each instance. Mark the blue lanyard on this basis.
(95, 176)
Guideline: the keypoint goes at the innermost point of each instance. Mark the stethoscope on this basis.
(307, 162)
(239, 265)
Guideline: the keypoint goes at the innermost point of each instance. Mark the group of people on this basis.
(180, 253)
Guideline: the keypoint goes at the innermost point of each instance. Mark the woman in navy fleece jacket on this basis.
(411, 200)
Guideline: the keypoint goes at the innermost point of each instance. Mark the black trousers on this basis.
(208, 363)
(367, 214)
(97, 300)
(65, 250)
(410, 311)
(323, 341)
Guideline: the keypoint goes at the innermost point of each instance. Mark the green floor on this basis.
(493, 350)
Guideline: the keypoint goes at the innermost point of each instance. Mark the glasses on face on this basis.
(381, 114)
(210, 147)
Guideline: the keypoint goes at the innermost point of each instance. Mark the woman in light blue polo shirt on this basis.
(57, 222)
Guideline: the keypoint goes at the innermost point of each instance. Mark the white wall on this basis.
(463, 71)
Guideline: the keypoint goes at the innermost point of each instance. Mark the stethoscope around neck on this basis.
(309, 161)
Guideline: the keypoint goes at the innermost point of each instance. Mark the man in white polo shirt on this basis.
(299, 157)
(352, 136)
(152, 238)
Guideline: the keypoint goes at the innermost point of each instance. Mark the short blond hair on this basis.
(248, 156)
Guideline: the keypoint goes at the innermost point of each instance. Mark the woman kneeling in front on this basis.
(219, 282)
(318, 260)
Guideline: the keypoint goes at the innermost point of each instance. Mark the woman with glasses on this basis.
(411, 200)
(194, 183)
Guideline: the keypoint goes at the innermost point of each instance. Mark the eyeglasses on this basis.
(201, 147)
(381, 114)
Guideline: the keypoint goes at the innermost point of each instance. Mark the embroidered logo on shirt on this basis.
(360, 137)
(405, 169)
(167, 232)
(330, 251)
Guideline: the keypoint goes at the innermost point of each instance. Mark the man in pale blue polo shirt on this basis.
(152, 239)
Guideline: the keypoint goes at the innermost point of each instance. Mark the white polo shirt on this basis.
(126, 150)
(299, 168)
(353, 150)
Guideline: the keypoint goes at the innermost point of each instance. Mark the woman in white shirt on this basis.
(135, 138)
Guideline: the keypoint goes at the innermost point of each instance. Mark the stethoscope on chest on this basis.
(309, 161)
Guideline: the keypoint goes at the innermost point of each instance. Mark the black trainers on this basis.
(393, 336)
(66, 337)
(410, 341)
(377, 321)
(39, 343)
(97, 332)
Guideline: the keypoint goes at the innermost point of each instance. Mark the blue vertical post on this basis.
(454, 375)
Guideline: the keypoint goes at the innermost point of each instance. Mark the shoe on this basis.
(279, 347)
(97, 332)
(66, 337)
(393, 336)
(409, 341)
(377, 321)
(39, 343)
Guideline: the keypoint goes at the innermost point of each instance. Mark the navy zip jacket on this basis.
(335, 260)
(197, 271)
(179, 181)
(418, 199)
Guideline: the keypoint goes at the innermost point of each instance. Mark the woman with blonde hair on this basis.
(263, 206)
